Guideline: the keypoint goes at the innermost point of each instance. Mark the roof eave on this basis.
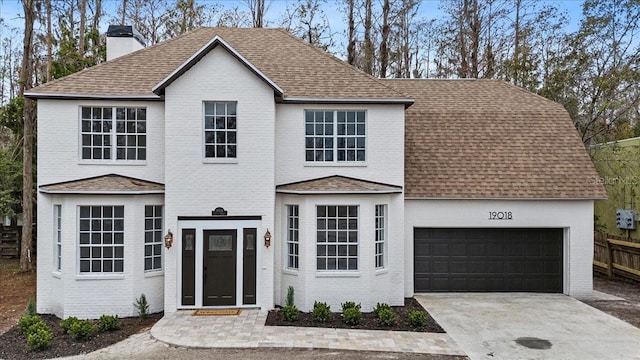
(102, 192)
(70, 96)
(589, 198)
(197, 56)
(310, 100)
(339, 192)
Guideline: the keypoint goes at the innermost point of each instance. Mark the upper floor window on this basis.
(220, 129)
(335, 136)
(102, 126)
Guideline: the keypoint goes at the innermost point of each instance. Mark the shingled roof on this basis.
(489, 139)
(104, 184)
(296, 67)
(337, 184)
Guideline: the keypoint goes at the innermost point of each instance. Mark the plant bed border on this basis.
(13, 344)
(369, 320)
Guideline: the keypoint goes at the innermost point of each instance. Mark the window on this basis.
(337, 238)
(335, 136)
(57, 220)
(101, 125)
(152, 237)
(381, 235)
(220, 129)
(101, 239)
(292, 236)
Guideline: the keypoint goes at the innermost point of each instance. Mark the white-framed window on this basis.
(152, 237)
(381, 235)
(220, 133)
(57, 225)
(113, 133)
(293, 236)
(337, 237)
(101, 239)
(335, 136)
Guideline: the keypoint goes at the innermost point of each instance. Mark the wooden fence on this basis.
(10, 241)
(617, 257)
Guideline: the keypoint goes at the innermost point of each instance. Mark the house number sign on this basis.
(500, 215)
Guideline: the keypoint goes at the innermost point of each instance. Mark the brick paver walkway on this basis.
(247, 330)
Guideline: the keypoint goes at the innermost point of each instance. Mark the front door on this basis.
(219, 267)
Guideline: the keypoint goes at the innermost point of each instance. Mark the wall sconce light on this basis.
(168, 239)
(267, 238)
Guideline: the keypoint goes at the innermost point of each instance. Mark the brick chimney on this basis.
(122, 40)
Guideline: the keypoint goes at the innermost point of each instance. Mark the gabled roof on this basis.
(303, 72)
(337, 184)
(487, 139)
(104, 184)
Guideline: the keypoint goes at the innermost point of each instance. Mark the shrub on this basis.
(381, 307)
(39, 337)
(386, 316)
(417, 318)
(26, 322)
(321, 312)
(31, 307)
(290, 313)
(108, 323)
(81, 330)
(350, 305)
(290, 291)
(66, 323)
(352, 316)
(142, 306)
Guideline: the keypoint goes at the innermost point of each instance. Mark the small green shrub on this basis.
(381, 307)
(26, 322)
(386, 317)
(39, 337)
(290, 313)
(352, 316)
(417, 318)
(142, 306)
(31, 307)
(321, 312)
(108, 323)
(350, 305)
(81, 330)
(290, 292)
(66, 323)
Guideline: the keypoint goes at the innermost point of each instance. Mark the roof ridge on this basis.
(339, 61)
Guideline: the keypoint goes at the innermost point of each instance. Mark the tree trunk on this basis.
(95, 25)
(26, 79)
(83, 23)
(368, 42)
(49, 42)
(351, 45)
(124, 12)
(384, 52)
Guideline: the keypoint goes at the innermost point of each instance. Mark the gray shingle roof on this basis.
(300, 69)
(490, 139)
(105, 184)
(337, 184)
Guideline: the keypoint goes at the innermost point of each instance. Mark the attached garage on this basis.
(488, 259)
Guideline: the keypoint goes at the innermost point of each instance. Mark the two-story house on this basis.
(219, 168)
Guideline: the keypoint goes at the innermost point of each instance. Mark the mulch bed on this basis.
(13, 345)
(369, 320)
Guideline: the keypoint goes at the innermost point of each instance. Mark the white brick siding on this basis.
(244, 186)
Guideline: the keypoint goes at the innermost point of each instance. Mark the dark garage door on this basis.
(488, 260)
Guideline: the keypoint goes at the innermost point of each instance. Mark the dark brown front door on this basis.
(219, 267)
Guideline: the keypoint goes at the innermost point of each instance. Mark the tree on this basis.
(29, 114)
(308, 21)
(257, 10)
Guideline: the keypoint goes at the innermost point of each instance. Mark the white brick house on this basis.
(371, 190)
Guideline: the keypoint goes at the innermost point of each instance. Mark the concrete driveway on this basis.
(531, 326)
